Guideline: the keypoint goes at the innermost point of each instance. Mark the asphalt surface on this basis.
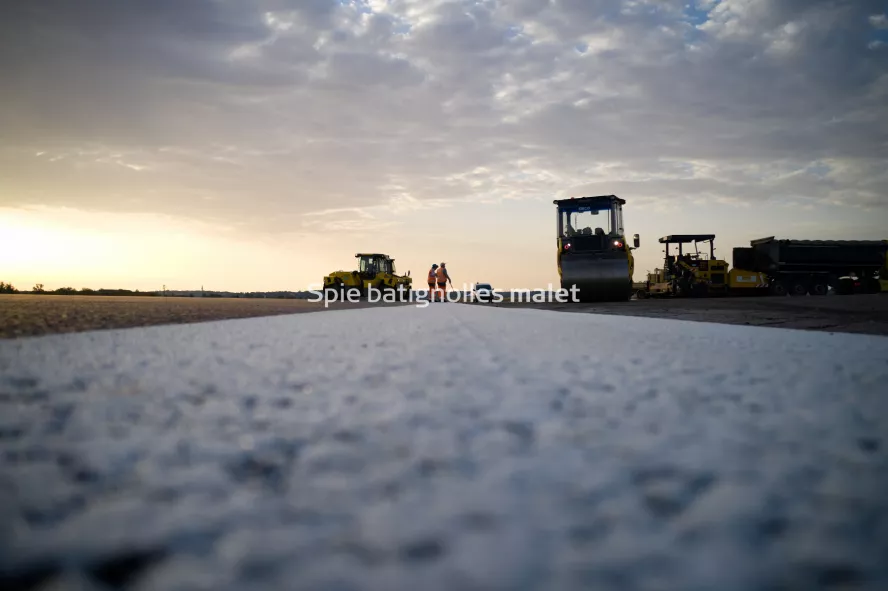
(860, 314)
(441, 448)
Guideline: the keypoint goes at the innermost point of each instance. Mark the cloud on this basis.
(257, 112)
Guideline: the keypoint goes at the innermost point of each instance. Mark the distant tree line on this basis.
(40, 289)
(108, 292)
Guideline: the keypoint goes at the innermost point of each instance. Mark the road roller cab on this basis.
(593, 255)
(374, 270)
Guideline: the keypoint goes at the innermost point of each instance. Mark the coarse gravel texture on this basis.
(27, 315)
(443, 448)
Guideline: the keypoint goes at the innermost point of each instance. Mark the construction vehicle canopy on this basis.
(682, 239)
(593, 257)
(685, 238)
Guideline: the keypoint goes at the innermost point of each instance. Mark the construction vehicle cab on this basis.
(592, 254)
(374, 270)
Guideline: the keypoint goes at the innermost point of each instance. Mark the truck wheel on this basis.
(778, 288)
(798, 288)
(819, 288)
(339, 289)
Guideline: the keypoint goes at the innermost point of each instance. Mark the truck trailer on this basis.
(800, 267)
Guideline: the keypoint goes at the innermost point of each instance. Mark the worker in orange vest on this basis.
(442, 278)
(433, 278)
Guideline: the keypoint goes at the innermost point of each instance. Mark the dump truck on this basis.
(593, 257)
(801, 267)
(374, 270)
(688, 272)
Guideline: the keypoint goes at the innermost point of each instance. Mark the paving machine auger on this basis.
(374, 270)
(593, 256)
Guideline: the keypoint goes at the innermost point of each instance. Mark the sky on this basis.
(251, 145)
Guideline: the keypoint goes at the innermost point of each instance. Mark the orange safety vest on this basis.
(440, 274)
(431, 276)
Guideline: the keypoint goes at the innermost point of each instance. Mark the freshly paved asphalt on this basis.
(443, 448)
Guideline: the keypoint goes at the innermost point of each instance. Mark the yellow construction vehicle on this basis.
(656, 285)
(375, 271)
(593, 256)
(699, 274)
(694, 273)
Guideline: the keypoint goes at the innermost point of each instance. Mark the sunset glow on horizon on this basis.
(256, 146)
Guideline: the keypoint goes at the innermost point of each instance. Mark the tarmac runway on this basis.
(862, 314)
(443, 448)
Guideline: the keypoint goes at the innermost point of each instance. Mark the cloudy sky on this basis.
(257, 144)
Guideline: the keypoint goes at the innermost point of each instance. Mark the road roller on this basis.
(594, 259)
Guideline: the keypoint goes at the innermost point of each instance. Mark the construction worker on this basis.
(433, 278)
(442, 277)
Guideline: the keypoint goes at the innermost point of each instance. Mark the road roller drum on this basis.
(597, 279)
